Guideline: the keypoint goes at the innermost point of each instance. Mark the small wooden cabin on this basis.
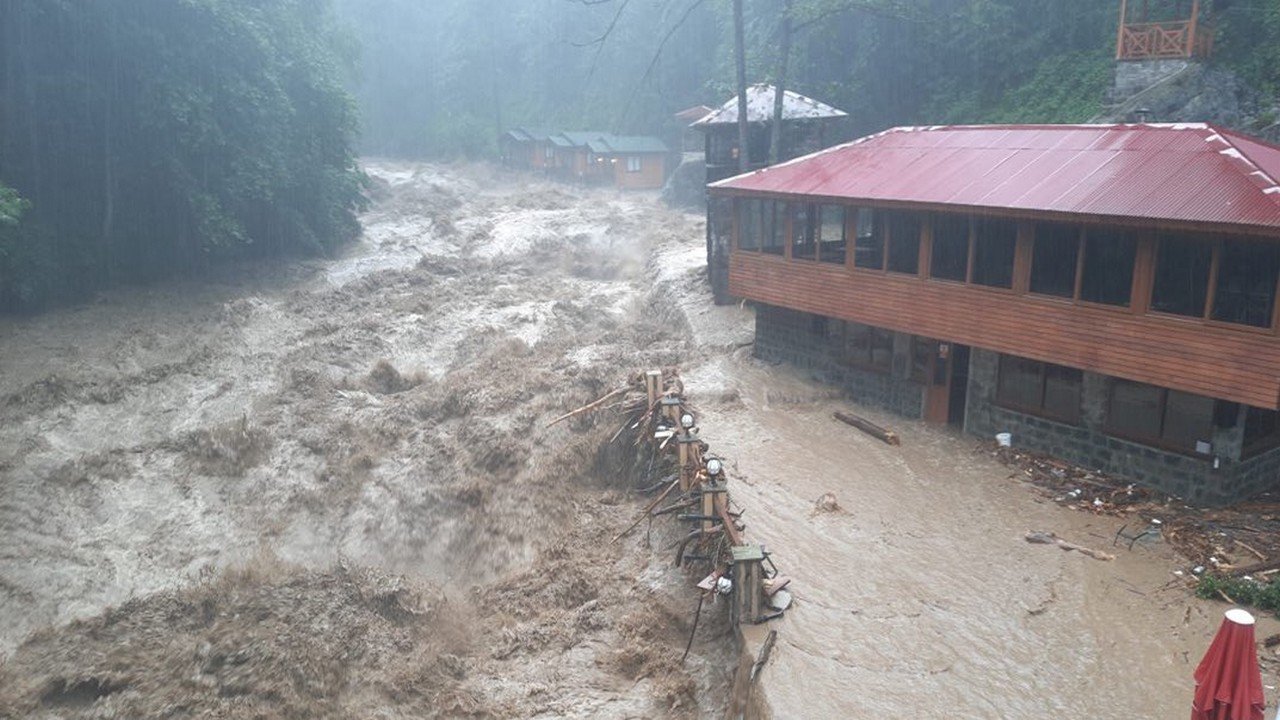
(574, 155)
(526, 148)
(632, 162)
(1107, 293)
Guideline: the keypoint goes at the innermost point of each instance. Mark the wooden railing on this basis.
(1160, 40)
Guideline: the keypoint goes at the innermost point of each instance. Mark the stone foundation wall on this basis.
(803, 340)
(1192, 478)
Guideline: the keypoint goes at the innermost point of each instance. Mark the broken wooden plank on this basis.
(590, 406)
(868, 427)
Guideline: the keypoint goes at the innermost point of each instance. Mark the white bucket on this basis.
(1004, 439)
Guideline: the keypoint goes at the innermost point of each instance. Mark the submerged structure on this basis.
(1105, 293)
(806, 127)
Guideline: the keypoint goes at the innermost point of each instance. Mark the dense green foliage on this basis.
(1262, 596)
(159, 135)
(443, 80)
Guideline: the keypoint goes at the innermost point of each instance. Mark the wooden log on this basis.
(663, 496)
(590, 406)
(1256, 568)
(869, 428)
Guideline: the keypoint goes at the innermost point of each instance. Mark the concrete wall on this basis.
(804, 340)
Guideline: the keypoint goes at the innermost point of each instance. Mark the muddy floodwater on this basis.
(328, 489)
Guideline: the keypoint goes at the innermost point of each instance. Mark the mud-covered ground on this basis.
(364, 442)
(328, 489)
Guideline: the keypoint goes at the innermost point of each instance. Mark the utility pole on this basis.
(740, 50)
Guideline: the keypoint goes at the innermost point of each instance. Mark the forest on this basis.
(141, 139)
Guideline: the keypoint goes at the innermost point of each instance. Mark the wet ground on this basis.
(357, 448)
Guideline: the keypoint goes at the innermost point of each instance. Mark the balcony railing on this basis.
(1162, 40)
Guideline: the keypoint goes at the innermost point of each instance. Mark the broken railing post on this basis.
(687, 445)
(748, 577)
(653, 385)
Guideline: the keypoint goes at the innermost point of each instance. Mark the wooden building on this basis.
(631, 162)
(807, 127)
(1105, 293)
(1163, 30)
(528, 149)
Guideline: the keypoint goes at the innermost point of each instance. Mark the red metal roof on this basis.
(1190, 172)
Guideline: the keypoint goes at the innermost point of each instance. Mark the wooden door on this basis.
(937, 399)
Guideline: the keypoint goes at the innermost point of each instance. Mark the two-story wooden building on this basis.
(807, 126)
(1107, 294)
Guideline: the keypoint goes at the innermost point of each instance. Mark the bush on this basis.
(1254, 594)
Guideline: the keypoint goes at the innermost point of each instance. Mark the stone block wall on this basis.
(1193, 478)
(803, 340)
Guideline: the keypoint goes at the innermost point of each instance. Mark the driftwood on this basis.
(1048, 538)
(697, 615)
(1256, 568)
(868, 427)
(590, 406)
(662, 496)
(765, 650)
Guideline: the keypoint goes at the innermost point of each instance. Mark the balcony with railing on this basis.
(1164, 40)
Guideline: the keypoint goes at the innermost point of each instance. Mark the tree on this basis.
(175, 135)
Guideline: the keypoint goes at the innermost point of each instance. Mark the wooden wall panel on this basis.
(1221, 362)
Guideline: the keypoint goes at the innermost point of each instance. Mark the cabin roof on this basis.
(692, 114)
(1186, 172)
(760, 108)
(580, 138)
(626, 144)
(524, 134)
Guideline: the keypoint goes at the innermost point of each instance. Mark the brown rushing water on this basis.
(921, 597)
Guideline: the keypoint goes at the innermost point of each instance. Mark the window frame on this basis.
(1076, 279)
(1042, 381)
(1159, 442)
(1216, 246)
(637, 161)
(866, 363)
(968, 257)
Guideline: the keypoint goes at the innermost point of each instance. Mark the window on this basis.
(772, 230)
(904, 242)
(1158, 416)
(1182, 276)
(868, 250)
(749, 229)
(633, 163)
(803, 240)
(1261, 430)
(1109, 256)
(831, 242)
(1245, 291)
(922, 352)
(1053, 259)
(1039, 388)
(994, 245)
(869, 347)
(950, 257)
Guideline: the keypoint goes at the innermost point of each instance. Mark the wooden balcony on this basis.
(1164, 40)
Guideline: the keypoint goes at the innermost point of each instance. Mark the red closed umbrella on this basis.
(1228, 681)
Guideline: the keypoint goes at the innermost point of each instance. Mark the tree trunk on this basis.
(740, 52)
(780, 85)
